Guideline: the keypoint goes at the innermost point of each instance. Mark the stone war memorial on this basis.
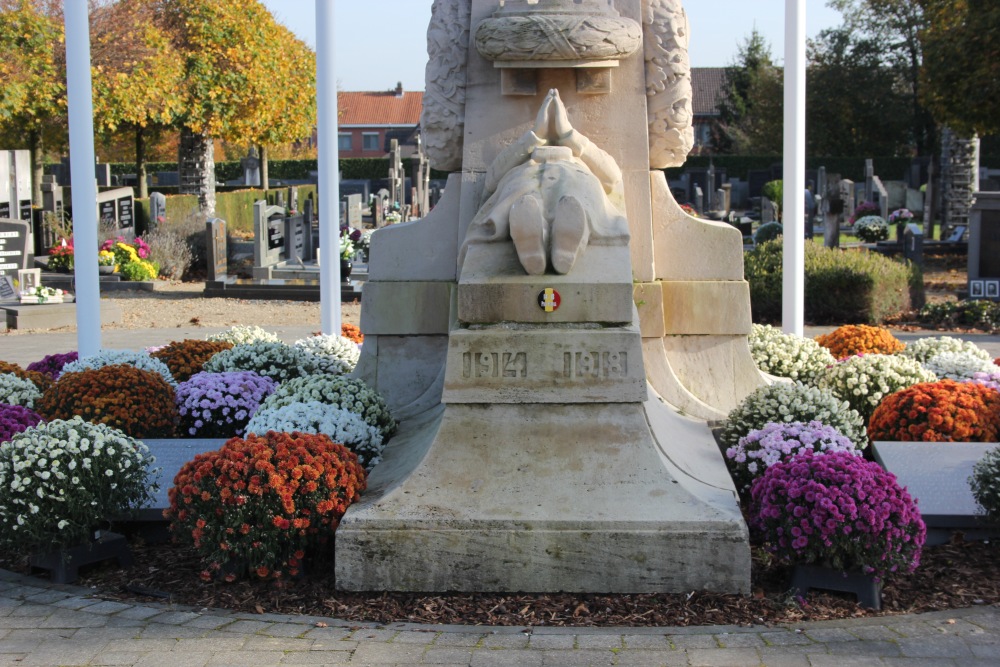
(556, 334)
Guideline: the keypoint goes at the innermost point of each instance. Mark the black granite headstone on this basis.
(13, 246)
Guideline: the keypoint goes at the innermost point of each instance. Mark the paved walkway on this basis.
(48, 625)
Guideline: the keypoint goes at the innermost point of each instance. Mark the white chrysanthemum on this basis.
(59, 479)
(959, 365)
(242, 335)
(871, 228)
(274, 360)
(864, 380)
(347, 428)
(332, 353)
(338, 391)
(788, 355)
(18, 391)
(791, 402)
(925, 348)
(140, 360)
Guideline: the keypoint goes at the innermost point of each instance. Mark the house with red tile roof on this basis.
(368, 121)
(707, 84)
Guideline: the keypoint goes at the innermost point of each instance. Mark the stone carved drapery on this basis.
(442, 122)
(668, 82)
(554, 31)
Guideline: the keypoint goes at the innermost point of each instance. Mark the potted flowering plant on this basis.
(777, 441)
(840, 512)
(219, 405)
(900, 217)
(105, 261)
(943, 411)
(61, 256)
(346, 253)
(260, 505)
(871, 229)
(60, 481)
(14, 419)
(863, 209)
(851, 339)
(346, 428)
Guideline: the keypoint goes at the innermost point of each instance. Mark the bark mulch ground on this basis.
(959, 574)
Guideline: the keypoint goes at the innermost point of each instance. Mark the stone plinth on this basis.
(582, 498)
(494, 287)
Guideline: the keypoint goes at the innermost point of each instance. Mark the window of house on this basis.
(369, 141)
(344, 142)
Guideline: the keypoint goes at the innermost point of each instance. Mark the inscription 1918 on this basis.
(495, 364)
(595, 364)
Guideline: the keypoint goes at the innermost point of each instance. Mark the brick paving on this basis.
(50, 625)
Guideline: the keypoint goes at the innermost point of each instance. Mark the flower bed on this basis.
(852, 339)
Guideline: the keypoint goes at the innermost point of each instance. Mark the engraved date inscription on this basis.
(595, 364)
(495, 364)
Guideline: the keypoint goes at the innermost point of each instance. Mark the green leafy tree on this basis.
(893, 27)
(32, 80)
(855, 103)
(961, 64)
(750, 110)
(138, 76)
(246, 79)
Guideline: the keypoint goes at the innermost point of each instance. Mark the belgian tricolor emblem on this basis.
(548, 300)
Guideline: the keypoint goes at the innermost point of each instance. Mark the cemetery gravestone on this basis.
(116, 212)
(983, 265)
(13, 247)
(216, 244)
(157, 209)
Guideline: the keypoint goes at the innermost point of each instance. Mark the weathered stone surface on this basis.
(665, 382)
(688, 248)
(408, 371)
(718, 370)
(535, 498)
(494, 287)
(648, 298)
(516, 364)
(706, 307)
(411, 307)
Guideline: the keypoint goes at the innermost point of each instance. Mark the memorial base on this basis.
(546, 498)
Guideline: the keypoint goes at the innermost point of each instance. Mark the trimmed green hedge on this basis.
(288, 170)
(847, 286)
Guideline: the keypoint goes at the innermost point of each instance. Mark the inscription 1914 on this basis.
(595, 364)
(495, 364)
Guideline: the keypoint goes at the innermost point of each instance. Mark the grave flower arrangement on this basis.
(346, 246)
(141, 360)
(15, 390)
(132, 258)
(339, 392)
(52, 364)
(346, 428)
(840, 511)
(864, 380)
(787, 355)
(138, 402)
(186, 357)
(14, 419)
(42, 294)
(59, 480)
(852, 339)
(240, 335)
(871, 228)
(943, 411)
(259, 506)
(901, 215)
(61, 256)
(792, 402)
(332, 354)
(863, 209)
(985, 484)
(219, 405)
(105, 258)
(762, 448)
(274, 360)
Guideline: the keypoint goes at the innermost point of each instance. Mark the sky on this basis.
(380, 42)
